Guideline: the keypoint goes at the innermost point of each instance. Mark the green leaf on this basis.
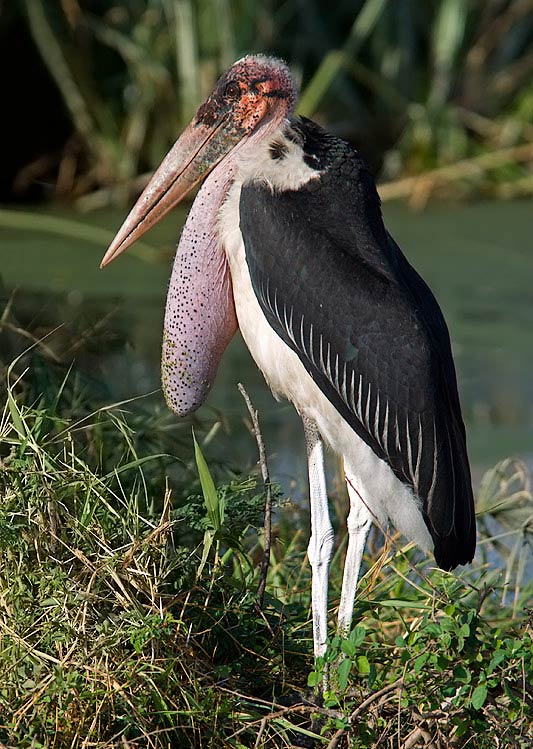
(357, 636)
(495, 661)
(343, 671)
(348, 648)
(462, 674)
(363, 666)
(313, 679)
(479, 695)
(419, 662)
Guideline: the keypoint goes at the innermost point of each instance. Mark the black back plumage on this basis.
(337, 289)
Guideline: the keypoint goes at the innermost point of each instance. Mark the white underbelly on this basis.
(287, 377)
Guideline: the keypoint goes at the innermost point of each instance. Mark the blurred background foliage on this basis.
(442, 88)
(100, 501)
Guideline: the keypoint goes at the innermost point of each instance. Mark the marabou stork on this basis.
(286, 241)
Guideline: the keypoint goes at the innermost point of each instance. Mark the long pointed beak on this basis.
(196, 152)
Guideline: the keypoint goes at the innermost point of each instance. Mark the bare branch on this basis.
(268, 493)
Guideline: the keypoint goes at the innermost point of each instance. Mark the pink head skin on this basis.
(256, 91)
(248, 104)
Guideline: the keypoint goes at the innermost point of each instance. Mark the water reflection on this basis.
(477, 258)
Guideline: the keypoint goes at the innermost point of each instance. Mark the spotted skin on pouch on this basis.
(200, 317)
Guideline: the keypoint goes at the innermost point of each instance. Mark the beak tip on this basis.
(189, 161)
(104, 262)
(110, 254)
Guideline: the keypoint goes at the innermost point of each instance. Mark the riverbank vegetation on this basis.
(133, 607)
(130, 613)
(437, 95)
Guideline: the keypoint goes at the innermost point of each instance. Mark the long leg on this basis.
(359, 522)
(321, 540)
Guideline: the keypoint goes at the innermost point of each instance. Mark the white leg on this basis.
(359, 522)
(321, 541)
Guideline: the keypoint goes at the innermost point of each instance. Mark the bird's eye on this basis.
(232, 90)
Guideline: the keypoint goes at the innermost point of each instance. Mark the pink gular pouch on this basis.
(248, 103)
(200, 317)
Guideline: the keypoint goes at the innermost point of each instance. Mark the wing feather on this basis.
(370, 333)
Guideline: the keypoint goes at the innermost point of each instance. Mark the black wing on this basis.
(338, 290)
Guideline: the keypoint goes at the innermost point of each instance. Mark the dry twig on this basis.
(268, 493)
(418, 189)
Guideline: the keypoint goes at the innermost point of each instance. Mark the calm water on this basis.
(477, 258)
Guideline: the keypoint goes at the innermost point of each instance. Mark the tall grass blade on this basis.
(72, 229)
(448, 34)
(334, 61)
(54, 58)
(134, 464)
(213, 503)
(181, 19)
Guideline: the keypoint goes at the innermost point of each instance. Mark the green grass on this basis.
(128, 579)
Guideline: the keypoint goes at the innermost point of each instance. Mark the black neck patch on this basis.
(318, 146)
(278, 150)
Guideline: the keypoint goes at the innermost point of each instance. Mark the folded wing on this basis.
(337, 289)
